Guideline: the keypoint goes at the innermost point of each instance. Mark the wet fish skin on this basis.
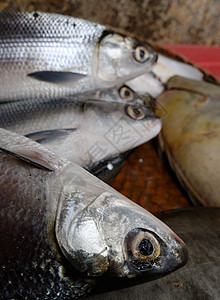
(83, 132)
(39, 261)
(50, 55)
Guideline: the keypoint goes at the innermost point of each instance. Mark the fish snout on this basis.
(180, 249)
(150, 255)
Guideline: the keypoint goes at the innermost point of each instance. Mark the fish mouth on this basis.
(176, 260)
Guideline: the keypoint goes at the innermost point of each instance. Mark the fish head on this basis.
(116, 127)
(102, 232)
(121, 58)
(138, 243)
(120, 93)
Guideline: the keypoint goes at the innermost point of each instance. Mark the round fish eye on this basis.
(145, 246)
(141, 54)
(135, 112)
(126, 93)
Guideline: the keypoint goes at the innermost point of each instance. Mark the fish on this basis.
(47, 55)
(83, 132)
(190, 136)
(199, 279)
(62, 229)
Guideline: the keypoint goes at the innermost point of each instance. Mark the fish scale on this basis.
(49, 221)
(53, 49)
(49, 31)
(27, 218)
(77, 55)
(84, 132)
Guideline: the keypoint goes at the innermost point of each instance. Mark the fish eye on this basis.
(135, 112)
(145, 246)
(126, 93)
(141, 54)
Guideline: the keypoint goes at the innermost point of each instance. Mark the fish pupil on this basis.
(136, 111)
(145, 247)
(127, 93)
(142, 53)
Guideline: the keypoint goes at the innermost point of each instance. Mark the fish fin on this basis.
(30, 152)
(57, 77)
(32, 157)
(49, 135)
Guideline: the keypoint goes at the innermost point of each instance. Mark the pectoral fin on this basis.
(56, 77)
(29, 151)
(31, 157)
(50, 135)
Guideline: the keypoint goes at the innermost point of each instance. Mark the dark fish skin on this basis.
(49, 205)
(31, 264)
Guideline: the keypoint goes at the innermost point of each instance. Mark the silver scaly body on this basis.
(50, 55)
(82, 132)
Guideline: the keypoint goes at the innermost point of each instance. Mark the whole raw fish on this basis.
(50, 56)
(62, 229)
(82, 132)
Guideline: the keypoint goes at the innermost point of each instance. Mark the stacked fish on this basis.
(64, 106)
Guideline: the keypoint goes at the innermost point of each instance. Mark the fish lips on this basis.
(169, 261)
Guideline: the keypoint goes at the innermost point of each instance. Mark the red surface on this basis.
(207, 57)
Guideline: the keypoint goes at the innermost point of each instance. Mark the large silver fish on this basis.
(82, 132)
(50, 55)
(62, 229)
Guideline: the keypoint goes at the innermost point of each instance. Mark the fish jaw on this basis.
(117, 61)
(97, 228)
(131, 223)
